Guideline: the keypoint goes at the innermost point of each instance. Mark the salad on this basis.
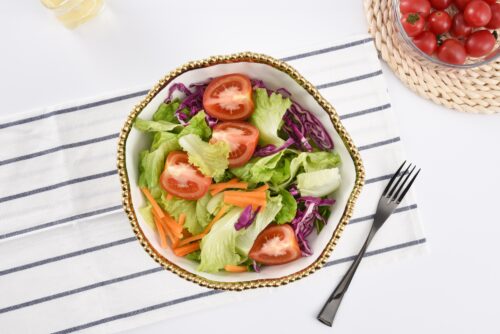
(237, 176)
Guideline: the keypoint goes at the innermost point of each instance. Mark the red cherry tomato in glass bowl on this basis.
(241, 137)
(441, 4)
(229, 97)
(480, 43)
(413, 24)
(490, 2)
(439, 22)
(426, 41)
(477, 13)
(182, 179)
(495, 17)
(460, 4)
(459, 28)
(423, 7)
(452, 52)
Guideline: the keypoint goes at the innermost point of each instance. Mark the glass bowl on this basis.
(425, 59)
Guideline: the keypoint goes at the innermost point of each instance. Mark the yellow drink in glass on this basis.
(74, 12)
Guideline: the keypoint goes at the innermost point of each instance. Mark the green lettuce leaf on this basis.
(259, 169)
(152, 162)
(147, 214)
(154, 126)
(246, 239)
(197, 216)
(318, 183)
(288, 208)
(310, 162)
(142, 176)
(218, 247)
(268, 115)
(197, 126)
(166, 112)
(211, 159)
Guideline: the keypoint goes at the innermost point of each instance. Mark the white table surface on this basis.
(132, 43)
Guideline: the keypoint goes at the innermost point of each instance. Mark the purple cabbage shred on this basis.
(272, 149)
(256, 266)
(246, 218)
(303, 223)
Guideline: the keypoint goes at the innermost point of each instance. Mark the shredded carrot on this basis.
(175, 228)
(161, 233)
(245, 194)
(182, 219)
(156, 207)
(244, 202)
(235, 269)
(233, 184)
(218, 216)
(184, 250)
(262, 188)
(191, 239)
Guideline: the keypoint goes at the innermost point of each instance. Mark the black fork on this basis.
(390, 199)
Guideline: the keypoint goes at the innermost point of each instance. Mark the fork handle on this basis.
(331, 306)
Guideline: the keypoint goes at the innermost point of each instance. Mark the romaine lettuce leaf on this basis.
(218, 247)
(258, 169)
(197, 216)
(318, 183)
(152, 162)
(154, 126)
(147, 214)
(211, 159)
(198, 126)
(288, 208)
(268, 115)
(166, 112)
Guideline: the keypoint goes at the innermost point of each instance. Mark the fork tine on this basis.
(389, 195)
(393, 178)
(408, 187)
(403, 184)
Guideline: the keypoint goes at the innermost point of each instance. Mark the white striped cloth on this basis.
(68, 258)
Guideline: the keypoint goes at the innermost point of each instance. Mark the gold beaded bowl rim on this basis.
(327, 107)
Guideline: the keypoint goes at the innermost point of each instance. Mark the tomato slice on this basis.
(229, 97)
(242, 138)
(183, 180)
(277, 244)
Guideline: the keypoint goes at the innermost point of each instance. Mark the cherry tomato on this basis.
(413, 24)
(277, 244)
(229, 97)
(477, 13)
(495, 17)
(459, 28)
(480, 43)
(242, 138)
(439, 22)
(183, 180)
(441, 4)
(490, 2)
(452, 52)
(423, 7)
(460, 4)
(426, 41)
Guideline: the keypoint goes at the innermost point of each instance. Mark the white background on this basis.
(132, 43)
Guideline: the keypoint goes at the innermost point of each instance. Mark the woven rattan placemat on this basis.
(473, 90)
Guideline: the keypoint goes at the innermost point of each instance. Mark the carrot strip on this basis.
(169, 197)
(262, 188)
(191, 239)
(184, 250)
(217, 185)
(217, 188)
(219, 214)
(235, 269)
(244, 202)
(156, 207)
(245, 194)
(161, 233)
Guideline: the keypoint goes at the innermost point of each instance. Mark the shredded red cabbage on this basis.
(193, 102)
(293, 190)
(246, 218)
(296, 132)
(272, 149)
(256, 266)
(312, 126)
(303, 223)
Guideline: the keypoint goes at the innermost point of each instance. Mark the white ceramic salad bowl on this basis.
(275, 74)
